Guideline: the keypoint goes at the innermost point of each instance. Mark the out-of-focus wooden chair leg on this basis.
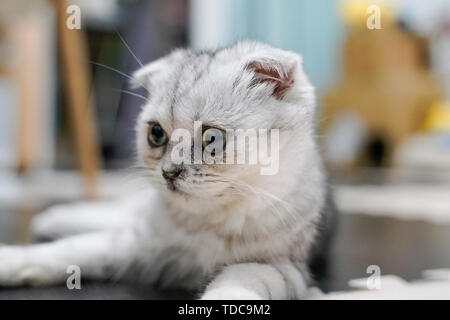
(74, 63)
(27, 76)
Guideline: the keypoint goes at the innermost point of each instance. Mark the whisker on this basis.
(129, 49)
(264, 195)
(131, 93)
(119, 72)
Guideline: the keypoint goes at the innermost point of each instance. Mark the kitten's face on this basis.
(248, 86)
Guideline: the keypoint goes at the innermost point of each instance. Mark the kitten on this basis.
(225, 229)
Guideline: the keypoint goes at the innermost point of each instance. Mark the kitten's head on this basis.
(247, 86)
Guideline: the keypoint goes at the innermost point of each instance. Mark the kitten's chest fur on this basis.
(200, 245)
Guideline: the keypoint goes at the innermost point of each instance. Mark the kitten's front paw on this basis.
(50, 224)
(230, 293)
(16, 269)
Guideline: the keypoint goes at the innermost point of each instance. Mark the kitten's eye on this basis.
(156, 136)
(212, 135)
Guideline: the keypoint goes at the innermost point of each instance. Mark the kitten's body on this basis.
(246, 234)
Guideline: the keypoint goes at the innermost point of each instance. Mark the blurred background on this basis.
(382, 76)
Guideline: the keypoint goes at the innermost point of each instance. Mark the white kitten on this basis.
(226, 229)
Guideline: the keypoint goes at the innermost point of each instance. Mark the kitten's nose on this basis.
(172, 173)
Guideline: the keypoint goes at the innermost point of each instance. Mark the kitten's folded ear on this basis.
(142, 76)
(280, 71)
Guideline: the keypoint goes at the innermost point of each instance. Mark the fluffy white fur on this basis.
(227, 229)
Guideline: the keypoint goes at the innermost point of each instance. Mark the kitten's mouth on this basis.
(172, 187)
